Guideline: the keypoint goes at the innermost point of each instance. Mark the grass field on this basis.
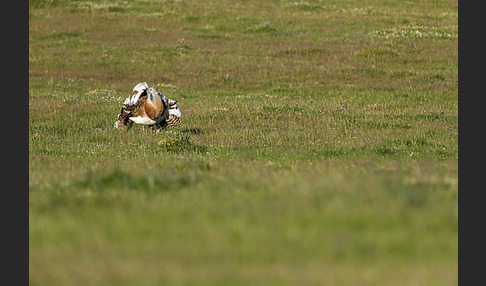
(318, 145)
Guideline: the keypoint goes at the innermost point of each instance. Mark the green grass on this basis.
(318, 145)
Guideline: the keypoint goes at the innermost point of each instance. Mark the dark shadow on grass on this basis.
(192, 130)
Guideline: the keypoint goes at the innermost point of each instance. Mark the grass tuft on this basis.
(179, 142)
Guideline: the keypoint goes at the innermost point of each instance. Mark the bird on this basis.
(148, 106)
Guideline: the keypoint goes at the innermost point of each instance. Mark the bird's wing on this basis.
(173, 109)
(136, 93)
(173, 120)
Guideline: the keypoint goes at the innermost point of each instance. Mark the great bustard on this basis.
(147, 106)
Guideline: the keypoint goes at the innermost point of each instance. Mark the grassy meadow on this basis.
(318, 145)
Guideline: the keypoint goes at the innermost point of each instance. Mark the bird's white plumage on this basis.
(137, 91)
(174, 109)
(144, 120)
